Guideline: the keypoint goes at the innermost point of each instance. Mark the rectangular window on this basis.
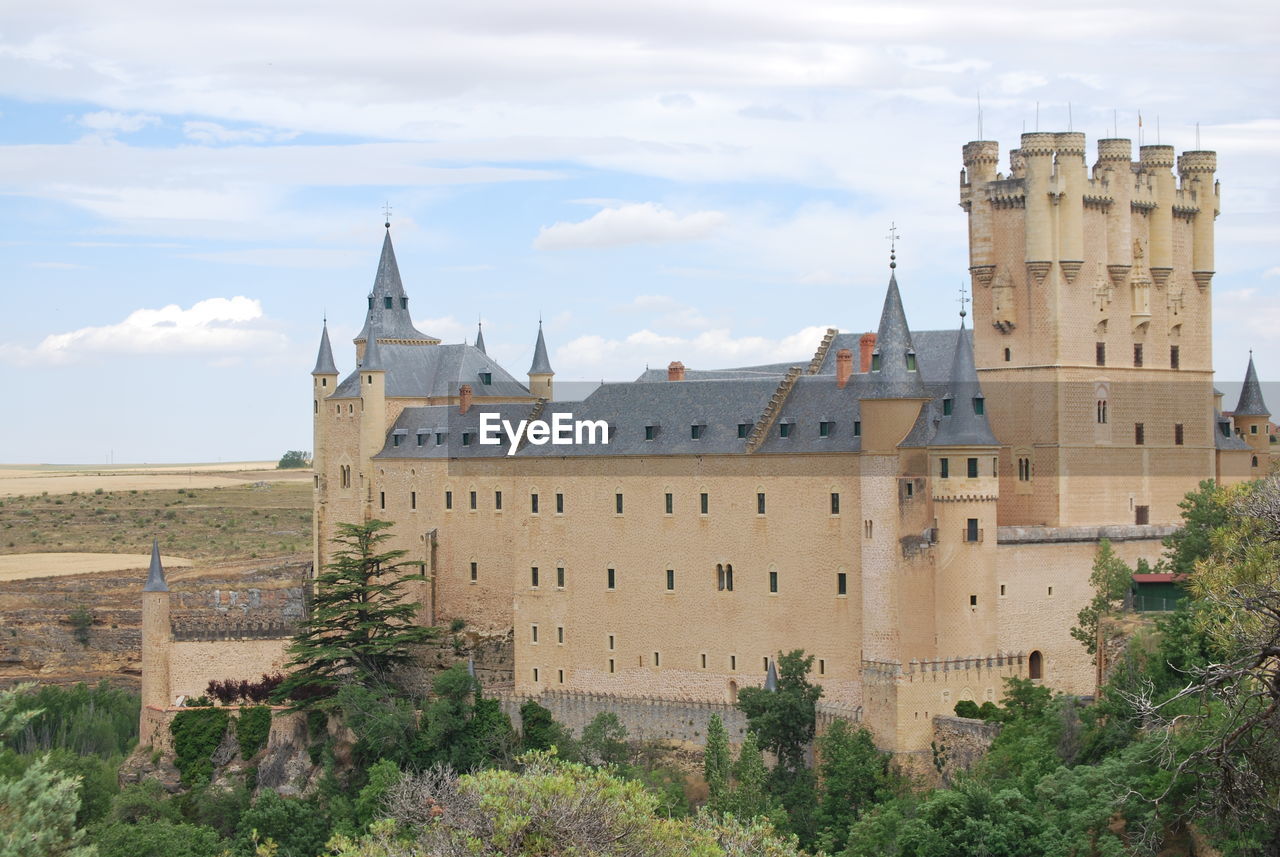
(947, 407)
(497, 501)
(395, 440)
(1100, 353)
(448, 499)
(533, 503)
(911, 362)
(533, 576)
(439, 438)
(534, 630)
(486, 378)
(842, 583)
(466, 438)
(413, 499)
(784, 430)
(1174, 357)
(944, 468)
(560, 675)
(773, 581)
(669, 502)
(535, 675)
(650, 432)
(1177, 434)
(972, 465)
(744, 429)
(704, 502)
(611, 642)
(857, 428)
(1137, 355)
(657, 659)
(1139, 434)
(973, 601)
(610, 664)
(560, 634)
(382, 499)
(617, 504)
(612, 578)
(822, 666)
(422, 439)
(824, 428)
(971, 530)
(695, 431)
(760, 503)
(704, 660)
(475, 572)
(559, 504)
(1002, 590)
(733, 662)
(1142, 514)
(671, 580)
(473, 499)
(979, 405)
(560, 577)
(835, 503)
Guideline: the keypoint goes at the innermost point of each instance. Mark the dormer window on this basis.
(696, 430)
(911, 361)
(784, 428)
(486, 378)
(389, 302)
(875, 361)
(824, 428)
(744, 429)
(404, 303)
(979, 405)
(370, 301)
(650, 432)
(946, 407)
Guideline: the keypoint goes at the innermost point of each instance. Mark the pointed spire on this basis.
(771, 678)
(894, 373)
(480, 336)
(1251, 404)
(541, 364)
(155, 576)
(324, 359)
(966, 424)
(373, 357)
(388, 312)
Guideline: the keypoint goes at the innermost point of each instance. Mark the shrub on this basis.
(294, 458)
(156, 839)
(252, 727)
(81, 622)
(196, 735)
(968, 708)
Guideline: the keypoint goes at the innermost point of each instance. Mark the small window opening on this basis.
(835, 503)
(704, 502)
(773, 581)
(842, 583)
(760, 503)
(612, 578)
(560, 577)
(669, 502)
(671, 580)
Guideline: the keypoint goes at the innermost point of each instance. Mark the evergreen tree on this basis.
(360, 628)
(784, 719)
(1111, 579)
(854, 777)
(716, 759)
(750, 796)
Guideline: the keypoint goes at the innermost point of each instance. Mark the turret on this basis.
(1115, 158)
(480, 337)
(1069, 146)
(981, 157)
(1251, 415)
(1037, 155)
(965, 489)
(324, 380)
(155, 642)
(373, 413)
(1157, 161)
(540, 371)
(1196, 170)
(388, 313)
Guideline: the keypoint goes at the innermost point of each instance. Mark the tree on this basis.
(1204, 511)
(539, 730)
(784, 719)
(37, 808)
(854, 776)
(1111, 580)
(604, 739)
(361, 628)
(716, 759)
(157, 838)
(460, 728)
(294, 458)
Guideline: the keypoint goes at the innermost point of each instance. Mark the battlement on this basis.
(208, 628)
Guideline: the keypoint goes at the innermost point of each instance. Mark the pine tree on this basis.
(360, 628)
(1111, 578)
(715, 760)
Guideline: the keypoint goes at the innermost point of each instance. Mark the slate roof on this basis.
(964, 426)
(324, 359)
(1251, 404)
(1223, 437)
(480, 338)
(155, 575)
(896, 377)
(390, 322)
(541, 365)
(418, 371)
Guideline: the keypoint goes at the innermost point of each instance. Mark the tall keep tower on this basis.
(156, 636)
(1092, 324)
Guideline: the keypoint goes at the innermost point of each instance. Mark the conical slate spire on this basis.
(480, 337)
(771, 678)
(373, 357)
(155, 577)
(966, 424)
(388, 313)
(324, 359)
(541, 364)
(1251, 404)
(894, 374)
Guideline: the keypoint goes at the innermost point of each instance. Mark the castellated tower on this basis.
(540, 371)
(324, 380)
(1092, 324)
(156, 636)
(373, 418)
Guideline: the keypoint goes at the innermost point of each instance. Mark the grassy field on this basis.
(215, 523)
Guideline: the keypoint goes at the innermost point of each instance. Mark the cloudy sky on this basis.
(186, 188)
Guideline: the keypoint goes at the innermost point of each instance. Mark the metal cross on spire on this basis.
(386, 213)
(893, 244)
(963, 299)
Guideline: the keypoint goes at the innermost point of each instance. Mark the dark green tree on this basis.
(294, 458)
(784, 719)
(1203, 512)
(540, 731)
(854, 776)
(361, 627)
(1111, 579)
(716, 759)
(604, 740)
(460, 728)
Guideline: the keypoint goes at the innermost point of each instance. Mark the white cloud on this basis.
(638, 223)
(667, 311)
(210, 133)
(773, 112)
(217, 326)
(110, 122)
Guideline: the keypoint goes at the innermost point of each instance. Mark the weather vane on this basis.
(964, 299)
(893, 244)
(386, 212)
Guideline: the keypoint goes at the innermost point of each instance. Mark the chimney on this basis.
(844, 367)
(866, 345)
(464, 398)
(675, 372)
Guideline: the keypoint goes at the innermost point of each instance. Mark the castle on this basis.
(918, 510)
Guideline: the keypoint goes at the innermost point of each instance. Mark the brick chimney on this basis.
(844, 367)
(866, 345)
(675, 372)
(464, 398)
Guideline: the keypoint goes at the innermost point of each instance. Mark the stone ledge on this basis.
(1051, 535)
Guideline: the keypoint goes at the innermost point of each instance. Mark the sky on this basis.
(188, 189)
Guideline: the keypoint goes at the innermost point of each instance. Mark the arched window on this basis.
(1255, 461)
(719, 577)
(1035, 665)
